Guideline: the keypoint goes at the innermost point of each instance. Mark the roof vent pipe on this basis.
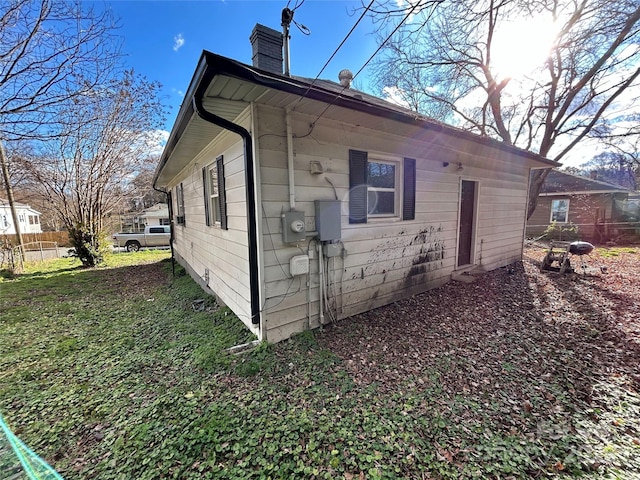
(345, 76)
(287, 18)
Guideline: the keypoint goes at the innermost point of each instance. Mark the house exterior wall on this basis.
(217, 259)
(158, 214)
(28, 218)
(383, 260)
(588, 212)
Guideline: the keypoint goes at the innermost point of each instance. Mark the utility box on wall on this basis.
(328, 220)
(293, 227)
(299, 265)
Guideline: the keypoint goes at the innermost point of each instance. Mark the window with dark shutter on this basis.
(180, 217)
(207, 194)
(222, 194)
(409, 190)
(374, 187)
(357, 186)
(215, 194)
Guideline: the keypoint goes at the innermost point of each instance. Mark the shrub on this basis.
(563, 232)
(89, 246)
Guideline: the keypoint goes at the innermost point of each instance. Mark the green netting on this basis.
(19, 462)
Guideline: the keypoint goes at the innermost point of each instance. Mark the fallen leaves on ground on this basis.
(529, 349)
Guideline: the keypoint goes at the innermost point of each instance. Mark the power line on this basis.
(335, 52)
(363, 66)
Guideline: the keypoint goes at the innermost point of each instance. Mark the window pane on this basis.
(213, 180)
(215, 210)
(214, 195)
(559, 217)
(381, 203)
(381, 175)
(559, 210)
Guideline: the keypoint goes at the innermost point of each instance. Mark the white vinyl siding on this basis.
(386, 260)
(215, 257)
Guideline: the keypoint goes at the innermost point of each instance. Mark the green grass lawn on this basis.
(110, 374)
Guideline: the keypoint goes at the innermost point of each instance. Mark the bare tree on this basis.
(621, 137)
(50, 51)
(143, 184)
(101, 142)
(443, 60)
(614, 166)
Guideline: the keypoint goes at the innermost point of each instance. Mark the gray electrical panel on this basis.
(293, 227)
(328, 220)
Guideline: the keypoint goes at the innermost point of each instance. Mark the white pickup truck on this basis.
(153, 236)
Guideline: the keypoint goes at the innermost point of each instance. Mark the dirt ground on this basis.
(545, 342)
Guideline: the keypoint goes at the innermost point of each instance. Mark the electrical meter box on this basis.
(293, 227)
(328, 220)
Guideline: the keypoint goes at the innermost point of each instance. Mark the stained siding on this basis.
(385, 259)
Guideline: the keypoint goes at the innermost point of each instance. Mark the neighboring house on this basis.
(590, 205)
(157, 214)
(298, 201)
(28, 218)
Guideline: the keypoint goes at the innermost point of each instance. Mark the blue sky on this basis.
(163, 40)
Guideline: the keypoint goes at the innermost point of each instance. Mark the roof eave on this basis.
(211, 65)
(582, 192)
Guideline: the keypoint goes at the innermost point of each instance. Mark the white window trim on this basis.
(214, 194)
(180, 207)
(566, 220)
(399, 174)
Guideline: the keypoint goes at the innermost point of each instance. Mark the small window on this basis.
(21, 218)
(165, 221)
(214, 194)
(560, 211)
(381, 188)
(180, 217)
(157, 230)
(31, 219)
(5, 223)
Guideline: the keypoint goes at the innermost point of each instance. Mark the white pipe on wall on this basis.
(321, 287)
(290, 166)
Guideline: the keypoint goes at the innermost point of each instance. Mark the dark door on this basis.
(467, 207)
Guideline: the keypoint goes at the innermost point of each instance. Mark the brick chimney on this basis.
(267, 48)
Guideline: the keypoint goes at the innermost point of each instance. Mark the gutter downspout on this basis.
(171, 237)
(207, 116)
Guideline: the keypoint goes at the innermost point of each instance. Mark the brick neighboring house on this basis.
(591, 205)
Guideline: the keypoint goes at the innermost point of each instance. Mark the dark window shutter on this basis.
(357, 186)
(207, 194)
(222, 194)
(182, 217)
(409, 195)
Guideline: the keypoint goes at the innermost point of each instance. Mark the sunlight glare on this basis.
(520, 46)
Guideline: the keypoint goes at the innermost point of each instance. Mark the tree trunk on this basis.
(536, 182)
(12, 205)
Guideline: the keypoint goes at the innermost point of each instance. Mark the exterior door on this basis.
(467, 209)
